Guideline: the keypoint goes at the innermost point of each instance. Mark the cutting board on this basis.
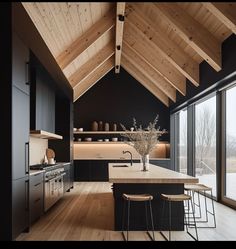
(50, 153)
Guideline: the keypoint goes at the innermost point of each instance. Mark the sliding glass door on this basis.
(230, 148)
(205, 142)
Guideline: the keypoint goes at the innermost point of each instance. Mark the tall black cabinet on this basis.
(20, 136)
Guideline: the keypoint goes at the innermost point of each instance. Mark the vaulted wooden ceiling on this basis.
(159, 44)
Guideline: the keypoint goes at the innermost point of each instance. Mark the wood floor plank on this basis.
(86, 214)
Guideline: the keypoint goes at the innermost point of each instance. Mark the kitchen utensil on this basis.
(51, 161)
(100, 125)
(106, 127)
(94, 126)
(50, 153)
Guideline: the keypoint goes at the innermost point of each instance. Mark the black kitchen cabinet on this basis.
(82, 170)
(42, 98)
(36, 196)
(66, 177)
(20, 206)
(20, 133)
(20, 64)
(98, 170)
(72, 175)
(94, 170)
(162, 163)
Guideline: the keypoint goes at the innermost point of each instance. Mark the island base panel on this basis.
(137, 209)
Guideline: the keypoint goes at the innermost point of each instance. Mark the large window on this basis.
(182, 143)
(230, 170)
(205, 142)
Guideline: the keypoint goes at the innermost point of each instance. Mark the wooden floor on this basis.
(86, 213)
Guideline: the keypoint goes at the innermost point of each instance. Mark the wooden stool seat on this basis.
(197, 187)
(137, 197)
(180, 197)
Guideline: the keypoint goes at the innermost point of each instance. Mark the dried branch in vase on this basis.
(143, 140)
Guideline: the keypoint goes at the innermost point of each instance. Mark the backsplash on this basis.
(38, 148)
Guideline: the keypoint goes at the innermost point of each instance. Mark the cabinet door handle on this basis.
(37, 184)
(37, 200)
(27, 158)
(27, 82)
(27, 195)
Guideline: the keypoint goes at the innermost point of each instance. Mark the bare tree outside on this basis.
(205, 140)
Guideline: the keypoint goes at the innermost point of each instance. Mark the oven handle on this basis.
(55, 178)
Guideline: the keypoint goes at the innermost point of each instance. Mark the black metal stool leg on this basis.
(128, 220)
(213, 210)
(151, 216)
(195, 225)
(169, 220)
(146, 216)
(123, 219)
(162, 218)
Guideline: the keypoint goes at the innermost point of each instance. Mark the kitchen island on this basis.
(157, 180)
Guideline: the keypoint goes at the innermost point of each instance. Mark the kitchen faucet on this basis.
(131, 157)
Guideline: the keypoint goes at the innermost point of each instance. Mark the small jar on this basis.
(114, 127)
(106, 127)
(94, 126)
(100, 126)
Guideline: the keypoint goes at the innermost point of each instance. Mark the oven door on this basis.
(51, 193)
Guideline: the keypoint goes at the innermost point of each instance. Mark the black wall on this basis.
(117, 98)
(6, 121)
(210, 79)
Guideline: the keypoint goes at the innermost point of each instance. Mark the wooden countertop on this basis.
(156, 174)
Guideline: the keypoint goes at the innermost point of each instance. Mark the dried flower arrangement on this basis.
(143, 140)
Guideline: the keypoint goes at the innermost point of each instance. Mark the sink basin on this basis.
(122, 165)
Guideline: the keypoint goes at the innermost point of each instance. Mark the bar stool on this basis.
(178, 198)
(137, 198)
(201, 188)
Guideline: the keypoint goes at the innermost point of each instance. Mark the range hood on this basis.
(44, 134)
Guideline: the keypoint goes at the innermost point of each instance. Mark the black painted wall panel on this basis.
(208, 76)
(117, 98)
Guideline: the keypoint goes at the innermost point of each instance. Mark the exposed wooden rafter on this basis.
(136, 39)
(225, 12)
(169, 49)
(89, 81)
(147, 83)
(90, 66)
(120, 14)
(141, 65)
(192, 32)
(86, 39)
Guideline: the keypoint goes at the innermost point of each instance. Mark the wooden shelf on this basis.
(108, 132)
(110, 142)
(97, 142)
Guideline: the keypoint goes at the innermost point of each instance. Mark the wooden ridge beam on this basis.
(120, 14)
(86, 39)
(168, 48)
(147, 50)
(192, 32)
(147, 83)
(225, 12)
(141, 65)
(93, 78)
(91, 65)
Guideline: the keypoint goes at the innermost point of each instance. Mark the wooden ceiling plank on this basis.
(147, 50)
(93, 78)
(149, 85)
(148, 71)
(168, 48)
(225, 12)
(120, 13)
(86, 39)
(90, 66)
(192, 32)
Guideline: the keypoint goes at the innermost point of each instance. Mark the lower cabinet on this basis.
(66, 178)
(94, 170)
(36, 196)
(20, 206)
(162, 163)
